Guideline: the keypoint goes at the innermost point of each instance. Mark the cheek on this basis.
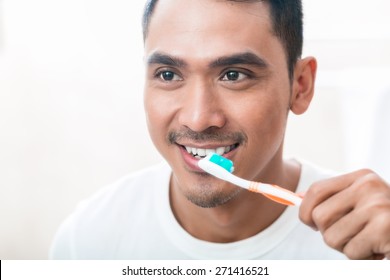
(159, 112)
(261, 114)
(266, 131)
(154, 117)
(264, 121)
(269, 129)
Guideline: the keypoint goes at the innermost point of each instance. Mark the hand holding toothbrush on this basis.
(351, 211)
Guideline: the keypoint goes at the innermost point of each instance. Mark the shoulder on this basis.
(129, 190)
(136, 184)
(103, 215)
(311, 173)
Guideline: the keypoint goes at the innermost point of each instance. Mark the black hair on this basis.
(287, 23)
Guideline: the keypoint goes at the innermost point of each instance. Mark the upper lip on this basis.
(206, 145)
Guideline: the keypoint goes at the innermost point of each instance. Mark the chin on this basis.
(207, 196)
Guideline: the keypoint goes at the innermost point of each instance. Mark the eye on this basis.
(233, 76)
(168, 76)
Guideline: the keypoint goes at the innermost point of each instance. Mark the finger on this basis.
(362, 234)
(340, 204)
(332, 210)
(362, 246)
(344, 230)
(323, 190)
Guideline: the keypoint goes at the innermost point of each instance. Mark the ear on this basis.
(303, 85)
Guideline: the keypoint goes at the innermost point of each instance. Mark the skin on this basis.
(197, 94)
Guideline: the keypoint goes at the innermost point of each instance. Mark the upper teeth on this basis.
(204, 152)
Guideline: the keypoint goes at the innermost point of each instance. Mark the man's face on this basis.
(217, 79)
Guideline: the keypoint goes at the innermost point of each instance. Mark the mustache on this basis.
(210, 134)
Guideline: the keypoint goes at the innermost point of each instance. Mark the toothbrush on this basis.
(222, 168)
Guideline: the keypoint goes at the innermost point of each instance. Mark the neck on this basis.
(243, 216)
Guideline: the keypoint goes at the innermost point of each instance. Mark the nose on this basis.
(202, 108)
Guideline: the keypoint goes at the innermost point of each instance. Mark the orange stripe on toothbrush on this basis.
(254, 187)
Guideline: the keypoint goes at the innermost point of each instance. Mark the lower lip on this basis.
(192, 162)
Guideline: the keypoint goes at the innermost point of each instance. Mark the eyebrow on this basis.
(161, 58)
(248, 58)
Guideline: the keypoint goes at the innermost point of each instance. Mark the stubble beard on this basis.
(206, 196)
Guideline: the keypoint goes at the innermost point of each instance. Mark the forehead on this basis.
(257, 8)
(204, 27)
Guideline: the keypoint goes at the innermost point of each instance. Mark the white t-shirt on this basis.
(132, 219)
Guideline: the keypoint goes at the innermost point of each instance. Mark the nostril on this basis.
(201, 120)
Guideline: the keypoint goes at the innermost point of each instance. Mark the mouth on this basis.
(199, 153)
(191, 155)
(194, 146)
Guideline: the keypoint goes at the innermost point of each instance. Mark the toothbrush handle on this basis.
(276, 193)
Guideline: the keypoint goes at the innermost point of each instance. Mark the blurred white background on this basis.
(71, 111)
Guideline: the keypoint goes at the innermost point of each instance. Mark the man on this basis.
(222, 76)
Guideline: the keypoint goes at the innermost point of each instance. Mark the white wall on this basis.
(71, 113)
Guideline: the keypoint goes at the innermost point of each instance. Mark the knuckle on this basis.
(372, 180)
(319, 217)
(331, 240)
(303, 216)
(371, 183)
(351, 253)
(315, 189)
(366, 171)
(382, 206)
(381, 227)
(354, 250)
(382, 222)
